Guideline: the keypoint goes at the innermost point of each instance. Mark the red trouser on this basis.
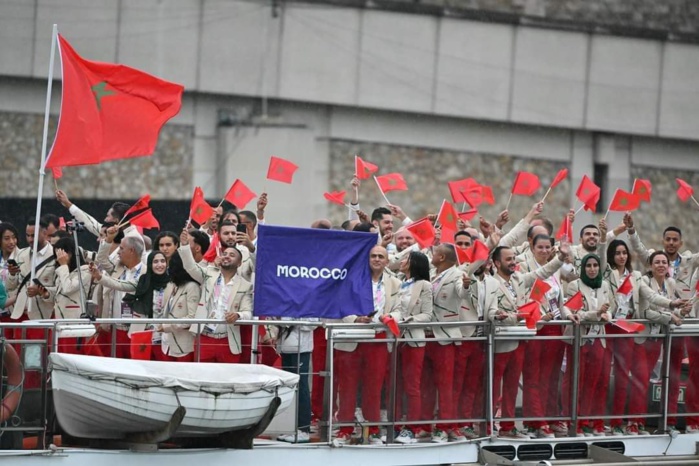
(32, 378)
(624, 354)
(469, 376)
(692, 394)
(645, 357)
(365, 365)
(676, 357)
(438, 377)
(320, 349)
(541, 375)
(216, 350)
(122, 347)
(409, 380)
(508, 368)
(591, 366)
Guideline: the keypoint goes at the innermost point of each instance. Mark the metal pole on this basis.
(574, 374)
(489, 412)
(329, 370)
(83, 300)
(391, 402)
(664, 387)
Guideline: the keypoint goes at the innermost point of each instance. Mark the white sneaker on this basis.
(405, 437)
(358, 415)
(692, 429)
(299, 437)
(456, 435)
(341, 439)
(439, 436)
(512, 433)
(423, 436)
(545, 432)
(375, 439)
(469, 433)
(560, 429)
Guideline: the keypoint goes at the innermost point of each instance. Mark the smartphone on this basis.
(12, 262)
(241, 228)
(38, 283)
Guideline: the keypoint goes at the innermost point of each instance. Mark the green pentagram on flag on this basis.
(100, 91)
(392, 181)
(280, 169)
(199, 211)
(367, 171)
(642, 190)
(450, 218)
(623, 201)
(586, 191)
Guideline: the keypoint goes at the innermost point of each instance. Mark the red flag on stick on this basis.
(531, 313)
(423, 232)
(142, 203)
(145, 220)
(642, 189)
(539, 290)
(628, 327)
(336, 197)
(391, 182)
(392, 325)
(447, 217)
(588, 193)
(363, 169)
(468, 215)
(214, 246)
(478, 251)
(684, 191)
(560, 176)
(526, 184)
(565, 230)
(624, 201)
(626, 286)
(575, 303)
(141, 345)
(61, 224)
(456, 188)
(239, 195)
(109, 111)
(279, 170)
(488, 194)
(57, 172)
(199, 210)
(463, 256)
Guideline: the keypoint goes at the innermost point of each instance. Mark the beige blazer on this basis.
(179, 303)
(40, 308)
(111, 281)
(66, 292)
(471, 309)
(446, 305)
(657, 310)
(419, 310)
(604, 296)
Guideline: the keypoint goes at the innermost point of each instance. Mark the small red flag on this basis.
(642, 189)
(473, 196)
(446, 234)
(423, 232)
(525, 184)
(141, 345)
(626, 286)
(364, 169)
(588, 193)
(57, 172)
(560, 176)
(468, 215)
(279, 170)
(488, 194)
(447, 217)
(628, 327)
(463, 256)
(531, 313)
(575, 303)
(239, 195)
(684, 191)
(199, 210)
(456, 188)
(478, 251)
(565, 230)
(109, 111)
(142, 203)
(624, 201)
(92, 346)
(61, 224)
(539, 290)
(392, 325)
(145, 220)
(212, 252)
(391, 182)
(337, 197)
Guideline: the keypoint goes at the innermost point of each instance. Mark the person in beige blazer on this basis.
(180, 301)
(415, 297)
(512, 292)
(365, 363)
(224, 295)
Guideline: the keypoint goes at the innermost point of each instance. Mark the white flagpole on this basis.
(381, 191)
(44, 143)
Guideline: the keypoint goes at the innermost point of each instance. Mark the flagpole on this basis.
(507, 207)
(44, 144)
(381, 191)
(547, 193)
(355, 165)
(695, 200)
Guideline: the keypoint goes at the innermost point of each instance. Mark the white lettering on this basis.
(293, 271)
(315, 273)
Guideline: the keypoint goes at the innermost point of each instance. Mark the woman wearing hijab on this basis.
(147, 300)
(597, 299)
(415, 297)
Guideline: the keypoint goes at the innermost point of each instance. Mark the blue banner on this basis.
(304, 272)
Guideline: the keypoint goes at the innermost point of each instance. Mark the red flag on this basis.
(57, 172)
(473, 196)
(457, 187)
(61, 224)
(423, 232)
(539, 290)
(488, 194)
(624, 201)
(468, 215)
(279, 170)
(575, 303)
(447, 217)
(109, 111)
(626, 286)
(391, 182)
(93, 348)
(684, 191)
(642, 189)
(363, 169)
(628, 327)
(140, 204)
(145, 220)
(463, 256)
(239, 194)
(478, 251)
(212, 252)
(565, 230)
(337, 197)
(588, 193)
(141, 345)
(560, 176)
(446, 234)
(199, 210)
(525, 184)
(392, 325)
(531, 313)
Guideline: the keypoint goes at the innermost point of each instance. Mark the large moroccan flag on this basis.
(109, 111)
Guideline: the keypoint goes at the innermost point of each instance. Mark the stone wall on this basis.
(165, 175)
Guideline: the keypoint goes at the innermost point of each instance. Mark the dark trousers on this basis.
(300, 364)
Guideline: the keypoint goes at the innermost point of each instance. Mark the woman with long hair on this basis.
(416, 306)
(180, 301)
(624, 350)
(8, 252)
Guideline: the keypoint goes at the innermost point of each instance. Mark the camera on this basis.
(74, 225)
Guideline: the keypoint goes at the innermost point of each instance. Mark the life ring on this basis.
(15, 379)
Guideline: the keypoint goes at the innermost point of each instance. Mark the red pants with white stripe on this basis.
(320, 350)
(469, 377)
(438, 377)
(541, 375)
(508, 368)
(409, 381)
(365, 365)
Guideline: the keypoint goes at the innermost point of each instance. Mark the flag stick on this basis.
(219, 204)
(507, 207)
(355, 165)
(547, 193)
(579, 209)
(463, 207)
(381, 191)
(695, 200)
(42, 164)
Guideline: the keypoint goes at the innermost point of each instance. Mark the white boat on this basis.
(150, 401)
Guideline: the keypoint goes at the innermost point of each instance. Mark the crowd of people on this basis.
(207, 272)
